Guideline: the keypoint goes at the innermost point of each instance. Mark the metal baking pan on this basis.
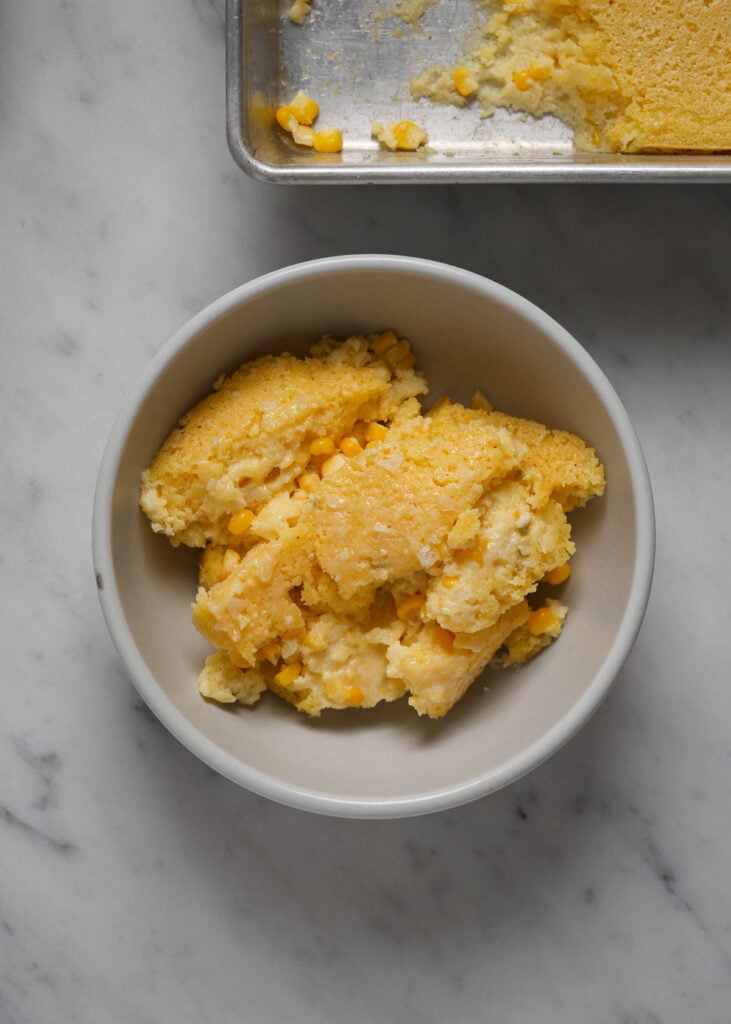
(356, 60)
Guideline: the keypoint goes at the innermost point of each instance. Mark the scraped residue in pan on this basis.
(624, 75)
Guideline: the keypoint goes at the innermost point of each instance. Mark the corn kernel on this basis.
(408, 362)
(397, 353)
(408, 610)
(445, 639)
(541, 621)
(210, 471)
(287, 675)
(540, 72)
(269, 652)
(328, 140)
(240, 522)
(384, 342)
(333, 464)
(231, 559)
(308, 482)
(408, 136)
(304, 108)
(522, 79)
(313, 642)
(355, 696)
(449, 581)
(558, 575)
(322, 446)
(376, 431)
(303, 135)
(286, 118)
(350, 446)
(464, 81)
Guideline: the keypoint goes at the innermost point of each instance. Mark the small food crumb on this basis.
(401, 135)
(298, 11)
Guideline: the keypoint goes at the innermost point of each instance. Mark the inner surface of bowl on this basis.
(467, 334)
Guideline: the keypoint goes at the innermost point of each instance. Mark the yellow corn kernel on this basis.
(308, 482)
(304, 108)
(269, 652)
(397, 353)
(408, 136)
(464, 81)
(350, 446)
(328, 140)
(314, 642)
(558, 575)
(355, 696)
(286, 118)
(449, 581)
(376, 431)
(522, 79)
(384, 342)
(539, 72)
(333, 464)
(479, 401)
(235, 658)
(408, 610)
(231, 559)
(445, 639)
(541, 620)
(209, 471)
(322, 446)
(303, 135)
(287, 675)
(240, 522)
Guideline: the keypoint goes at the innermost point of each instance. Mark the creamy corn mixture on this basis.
(355, 549)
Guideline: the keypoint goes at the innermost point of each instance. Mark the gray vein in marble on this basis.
(64, 846)
(45, 767)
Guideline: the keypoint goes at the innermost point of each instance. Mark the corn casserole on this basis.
(355, 548)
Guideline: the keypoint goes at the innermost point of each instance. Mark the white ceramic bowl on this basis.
(468, 332)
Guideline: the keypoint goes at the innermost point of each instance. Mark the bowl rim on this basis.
(317, 801)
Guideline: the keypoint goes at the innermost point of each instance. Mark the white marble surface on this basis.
(139, 887)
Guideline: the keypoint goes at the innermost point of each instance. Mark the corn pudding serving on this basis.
(356, 549)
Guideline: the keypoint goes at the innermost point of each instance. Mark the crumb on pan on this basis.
(402, 135)
(298, 11)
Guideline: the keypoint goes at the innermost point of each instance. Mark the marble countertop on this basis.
(138, 886)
